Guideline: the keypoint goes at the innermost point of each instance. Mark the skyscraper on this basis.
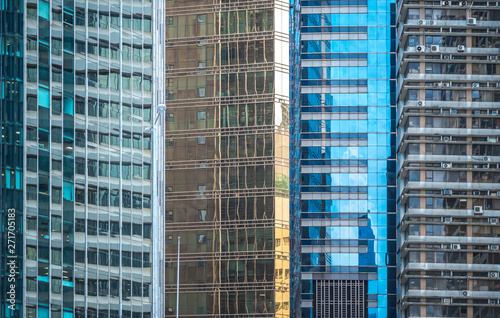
(344, 100)
(227, 158)
(449, 156)
(80, 82)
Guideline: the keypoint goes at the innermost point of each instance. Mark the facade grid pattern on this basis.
(448, 158)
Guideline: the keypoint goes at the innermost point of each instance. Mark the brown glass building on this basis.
(227, 158)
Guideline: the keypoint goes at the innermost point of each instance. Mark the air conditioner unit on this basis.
(477, 112)
(446, 165)
(420, 48)
(448, 219)
(447, 84)
(478, 209)
(446, 57)
(492, 139)
(494, 112)
(446, 301)
(420, 103)
(465, 293)
(447, 192)
(471, 21)
(432, 22)
(494, 247)
(434, 48)
(446, 138)
(438, 84)
(486, 159)
(463, 3)
(475, 84)
(421, 22)
(453, 111)
(461, 48)
(455, 246)
(492, 301)
(493, 274)
(445, 3)
(202, 42)
(493, 58)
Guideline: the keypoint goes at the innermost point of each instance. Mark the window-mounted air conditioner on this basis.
(447, 84)
(463, 3)
(471, 21)
(493, 58)
(446, 301)
(461, 48)
(447, 192)
(486, 158)
(465, 293)
(493, 274)
(453, 111)
(434, 48)
(448, 219)
(494, 112)
(446, 165)
(492, 301)
(420, 103)
(432, 22)
(478, 209)
(446, 138)
(420, 48)
(445, 3)
(421, 22)
(455, 246)
(494, 247)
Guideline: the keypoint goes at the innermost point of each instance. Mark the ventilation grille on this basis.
(340, 298)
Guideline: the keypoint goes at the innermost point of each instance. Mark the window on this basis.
(31, 253)
(56, 224)
(136, 259)
(56, 285)
(103, 258)
(31, 224)
(92, 256)
(201, 115)
(126, 259)
(137, 229)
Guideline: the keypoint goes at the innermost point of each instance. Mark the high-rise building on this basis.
(449, 158)
(80, 82)
(344, 108)
(227, 158)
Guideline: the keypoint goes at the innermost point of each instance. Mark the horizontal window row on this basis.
(453, 230)
(104, 49)
(451, 203)
(112, 258)
(127, 140)
(232, 22)
(100, 197)
(453, 68)
(453, 149)
(103, 79)
(104, 287)
(452, 257)
(457, 13)
(94, 313)
(92, 107)
(112, 228)
(452, 310)
(453, 176)
(440, 94)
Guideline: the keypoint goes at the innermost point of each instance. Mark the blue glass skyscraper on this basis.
(343, 182)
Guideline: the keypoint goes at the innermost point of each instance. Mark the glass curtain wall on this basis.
(347, 166)
(84, 213)
(227, 158)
